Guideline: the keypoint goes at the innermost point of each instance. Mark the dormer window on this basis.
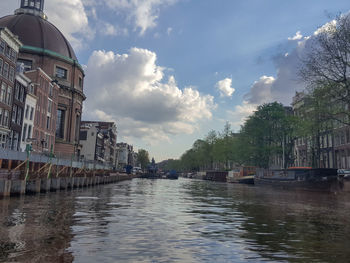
(37, 4)
(61, 73)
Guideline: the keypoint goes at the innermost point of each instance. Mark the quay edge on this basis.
(44, 185)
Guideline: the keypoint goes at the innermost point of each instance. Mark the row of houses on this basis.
(98, 142)
(28, 101)
(333, 140)
(41, 96)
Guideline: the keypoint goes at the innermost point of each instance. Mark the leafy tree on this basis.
(325, 69)
(143, 158)
(268, 133)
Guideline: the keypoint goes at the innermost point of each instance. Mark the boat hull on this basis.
(328, 185)
(241, 180)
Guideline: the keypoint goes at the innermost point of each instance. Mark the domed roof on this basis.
(34, 31)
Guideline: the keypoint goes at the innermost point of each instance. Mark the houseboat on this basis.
(215, 176)
(242, 175)
(303, 178)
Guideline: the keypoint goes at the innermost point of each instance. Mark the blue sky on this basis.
(169, 71)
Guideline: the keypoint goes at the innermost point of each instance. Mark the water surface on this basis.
(175, 221)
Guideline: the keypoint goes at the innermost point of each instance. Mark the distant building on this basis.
(98, 141)
(126, 155)
(9, 48)
(303, 149)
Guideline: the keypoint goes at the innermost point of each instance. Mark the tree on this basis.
(143, 158)
(267, 133)
(327, 67)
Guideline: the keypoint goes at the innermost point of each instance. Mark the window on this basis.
(27, 64)
(22, 94)
(12, 74)
(8, 51)
(14, 113)
(1, 115)
(9, 95)
(1, 63)
(3, 92)
(80, 82)
(19, 115)
(31, 113)
(83, 135)
(49, 106)
(77, 127)
(48, 122)
(61, 73)
(60, 123)
(31, 3)
(13, 55)
(29, 131)
(25, 2)
(50, 90)
(2, 47)
(17, 88)
(27, 112)
(6, 118)
(37, 4)
(5, 73)
(24, 132)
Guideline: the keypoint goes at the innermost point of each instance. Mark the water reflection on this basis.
(175, 221)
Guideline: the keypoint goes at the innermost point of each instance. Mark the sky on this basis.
(169, 71)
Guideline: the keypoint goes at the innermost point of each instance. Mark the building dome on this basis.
(38, 35)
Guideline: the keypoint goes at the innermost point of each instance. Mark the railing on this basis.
(42, 158)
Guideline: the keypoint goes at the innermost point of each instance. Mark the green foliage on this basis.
(143, 158)
(270, 131)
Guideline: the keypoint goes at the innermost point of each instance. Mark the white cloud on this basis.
(225, 87)
(169, 30)
(142, 13)
(297, 36)
(70, 17)
(111, 30)
(260, 92)
(283, 86)
(240, 114)
(67, 15)
(131, 89)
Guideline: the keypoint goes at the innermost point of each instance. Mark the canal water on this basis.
(175, 221)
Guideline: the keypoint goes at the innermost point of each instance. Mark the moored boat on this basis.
(172, 175)
(303, 178)
(242, 175)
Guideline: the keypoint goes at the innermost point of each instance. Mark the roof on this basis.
(38, 34)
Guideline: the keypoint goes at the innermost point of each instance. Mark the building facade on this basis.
(45, 118)
(45, 47)
(28, 118)
(19, 97)
(98, 142)
(333, 141)
(9, 48)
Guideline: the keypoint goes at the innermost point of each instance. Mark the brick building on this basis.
(44, 130)
(45, 47)
(9, 47)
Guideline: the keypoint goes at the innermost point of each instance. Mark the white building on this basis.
(123, 150)
(88, 138)
(29, 112)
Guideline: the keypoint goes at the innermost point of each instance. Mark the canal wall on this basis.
(13, 187)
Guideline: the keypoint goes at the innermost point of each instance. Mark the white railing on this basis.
(42, 158)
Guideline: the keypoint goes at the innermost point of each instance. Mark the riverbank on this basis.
(14, 187)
